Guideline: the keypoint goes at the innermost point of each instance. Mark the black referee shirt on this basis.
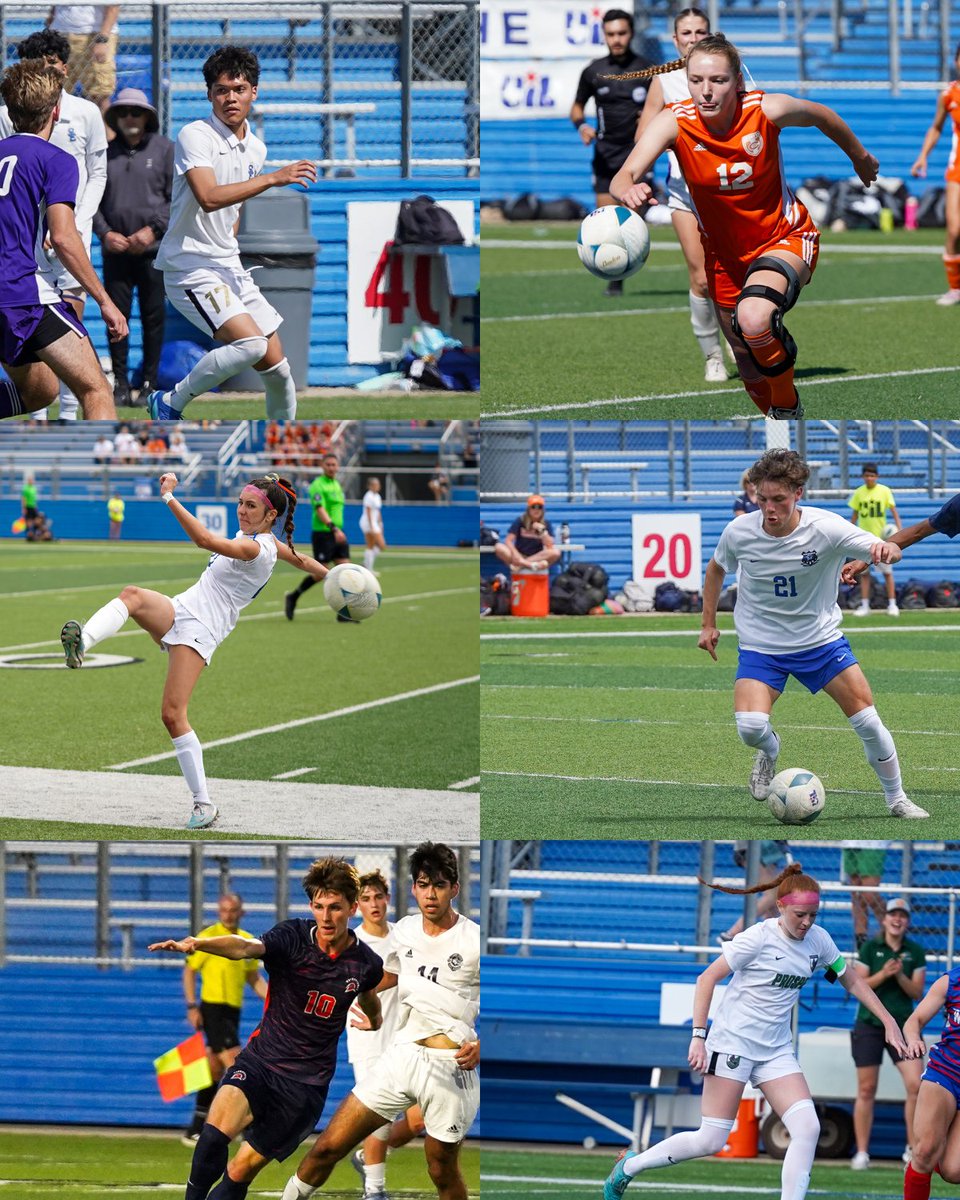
(619, 102)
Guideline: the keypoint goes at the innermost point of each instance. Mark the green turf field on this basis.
(525, 1174)
(268, 674)
(621, 727)
(872, 342)
(101, 1165)
(330, 404)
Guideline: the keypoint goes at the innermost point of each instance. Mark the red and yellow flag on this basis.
(183, 1069)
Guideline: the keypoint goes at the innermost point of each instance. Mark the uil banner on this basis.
(541, 29)
(510, 89)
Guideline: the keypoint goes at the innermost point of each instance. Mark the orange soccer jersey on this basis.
(740, 195)
(951, 100)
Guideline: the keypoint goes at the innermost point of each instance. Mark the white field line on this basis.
(412, 597)
(518, 636)
(684, 691)
(658, 247)
(638, 1185)
(938, 733)
(683, 783)
(301, 721)
(462, 784)
(294, 774)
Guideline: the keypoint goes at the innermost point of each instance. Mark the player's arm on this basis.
(702, 995)
(584, 92)
(257, 982)
(925, 1011)
(369, 1004)
(857, 986)
(190, 997)
(71, 252)
(302, 561)
(712, 584)
(896, 516)
(651, 106)
(212, 196)
(902, 538)
(243, 548)
(228, 945)
(786, 111)
(855, 517)
(930, 139)
(659, 135)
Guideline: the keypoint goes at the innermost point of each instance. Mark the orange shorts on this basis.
(953, 173)
(725, 277)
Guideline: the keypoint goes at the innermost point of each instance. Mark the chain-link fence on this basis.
(377, 88)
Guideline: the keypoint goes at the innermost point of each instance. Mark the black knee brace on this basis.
(783, 302)
(209, 1162)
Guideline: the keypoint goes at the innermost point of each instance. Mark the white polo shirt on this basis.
(194, 238)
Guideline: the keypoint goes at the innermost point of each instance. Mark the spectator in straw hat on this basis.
(529, 545)
(133, 217)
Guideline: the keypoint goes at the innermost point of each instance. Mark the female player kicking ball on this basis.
(750, 1040)
(760, 245)
(191, 625)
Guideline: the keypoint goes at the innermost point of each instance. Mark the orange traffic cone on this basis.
(744, 1137)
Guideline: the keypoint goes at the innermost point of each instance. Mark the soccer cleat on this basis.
(715, 369)
(71, 638)
(618, 1180)
(764, 769)
(862, 610)
(952, 296)
(893, 610)
(204, 814)
(907, 1156)
(907, 808)
(860, 1161)
(289, 605)
(375, 1196)
(614, 288)
(160, 410)
(190, 1138)
(357, 1162)
(787, 414)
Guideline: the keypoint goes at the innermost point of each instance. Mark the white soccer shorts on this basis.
(411, 1074)
(186, 630)
(727, 1065)
(209, 297)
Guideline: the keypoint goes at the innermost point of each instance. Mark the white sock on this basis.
(755, 730)
(296, 1189)
(697, 1143)
(880, 751)
(703, 318)
(190, 757)
(368, 558)
(280, 392)
(803, 1126)
(68, 404)
(38, 414)
(105, 622)
(217, 365)
(374, 1178)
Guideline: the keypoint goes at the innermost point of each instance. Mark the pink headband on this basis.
(252, 487)
(800, 898)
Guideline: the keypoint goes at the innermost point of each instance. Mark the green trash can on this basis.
(276, 245)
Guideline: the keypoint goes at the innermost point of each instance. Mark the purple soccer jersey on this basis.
(33, 175)
(309, 999)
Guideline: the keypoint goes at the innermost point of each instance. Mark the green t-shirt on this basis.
(330, 495)
(873, 954)
(872, 504)
(29, 495)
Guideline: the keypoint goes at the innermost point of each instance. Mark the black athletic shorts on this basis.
(326, 548)
(221, 1026)
(607, 164)
(285, 1111)
(867, 1045)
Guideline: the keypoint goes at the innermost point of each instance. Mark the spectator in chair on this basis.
(529, 545)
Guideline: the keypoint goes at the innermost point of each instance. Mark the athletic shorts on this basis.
(726, 279)
(813, 668)
(862, 862)
(186, 630)
(867, 1045)
(221, 1026)
(407, 1074)
(62, 278)
(211, 296)
(749, 1070)
(932, 1075)
(678, 194)
(326, 548)
(31, 327)
(952, 174)
(285, 1110)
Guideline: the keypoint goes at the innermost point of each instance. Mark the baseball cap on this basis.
(534, 500)
(898, 906)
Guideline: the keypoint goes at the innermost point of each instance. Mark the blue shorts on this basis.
(814, 668)
(285, 1110)
(932, 1075)
(31, 327)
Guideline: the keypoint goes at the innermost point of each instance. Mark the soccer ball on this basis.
(888, 531)
(352, 591)
(613, 242)
(795, 797)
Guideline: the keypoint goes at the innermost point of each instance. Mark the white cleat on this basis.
(715, 369)
(862, 610)
(860, 1161)
(950, 297)
(907, 808)
(893, 610)
(764, 769)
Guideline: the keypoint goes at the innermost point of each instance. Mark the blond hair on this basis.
(31, 91)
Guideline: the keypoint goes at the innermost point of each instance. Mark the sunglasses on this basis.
(130, 112)
(535, 506)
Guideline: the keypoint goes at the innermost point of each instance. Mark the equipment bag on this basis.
(913, 594)
(495, 596)
(943, 595)
(423, 222)
(668, 597)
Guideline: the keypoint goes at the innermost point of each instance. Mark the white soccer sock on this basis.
(190, 757)
(703, 318)
(708, 1139)
(296, 1189)
(880, 751)
(105, 622)
(280, 392)
(217, 365)
(368, 557)
(38, 414)
(755, 730)
(68, 404)
(803, 1126)
(374, 1178)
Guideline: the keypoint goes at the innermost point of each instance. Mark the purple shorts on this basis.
(31, 327)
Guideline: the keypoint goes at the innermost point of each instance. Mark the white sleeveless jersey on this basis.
(228, 585)
(369, 1043)
(196, 239)
(439, 980)
(770, 968)
(371, 500)
(787, 586)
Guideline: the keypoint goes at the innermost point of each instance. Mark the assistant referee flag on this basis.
(183, 1069)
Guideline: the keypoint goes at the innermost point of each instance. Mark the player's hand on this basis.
(637, 196)
(185, 945)
(360, 1020)
(697, 1055)
(339, 535)
(851, 571)
(709, 636)
(115, 242)
(167, 483)
(301, 173)
(587, 134)
(919, 169)
(193, 1016)
(895, 1039)
(866, 167)
(115, 321)
(467, 1057)
(916, 1047)
(886, 552)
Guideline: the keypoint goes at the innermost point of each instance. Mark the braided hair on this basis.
(283, 498)
(791, 879)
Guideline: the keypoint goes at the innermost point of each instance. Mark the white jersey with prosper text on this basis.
(364, 1044)
(438, 982)
(228, 585)
(195, 238)
(371, 500)
(787, 586)
(770, 968)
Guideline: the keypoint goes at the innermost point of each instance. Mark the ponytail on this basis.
(648, 72)
(791, 879)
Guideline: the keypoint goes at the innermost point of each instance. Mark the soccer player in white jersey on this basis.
(371, 523)
(217, 166)
(435, 1051)
(79, 131)
(364, 1045)
(788, 562)
(751, 1041)
(191, 625)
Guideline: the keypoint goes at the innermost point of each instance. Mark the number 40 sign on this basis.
(667, 546)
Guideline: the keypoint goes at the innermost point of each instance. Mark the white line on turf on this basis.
(464, 783)
(636, 1185)
(294, 774)
(937, 733)
(831, 248)
(282, 726)
(518, 635)
(681, 783)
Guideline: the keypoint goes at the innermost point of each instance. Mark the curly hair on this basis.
(31, 91)
(45, 43)
(332, 875)
(283, 497)
(791, 879)
(236, 62)
(779, 466)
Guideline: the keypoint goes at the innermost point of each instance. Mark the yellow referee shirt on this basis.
(872, 504)
(222, 980)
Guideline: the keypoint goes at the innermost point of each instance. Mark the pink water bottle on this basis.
(910, 212)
